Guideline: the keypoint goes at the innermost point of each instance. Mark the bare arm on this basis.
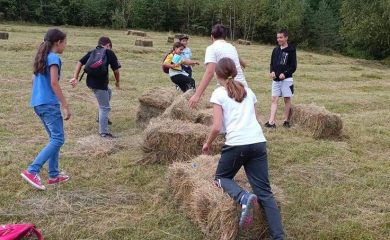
(207, 76)
(76, 73)
(242, 62)
(215, 129)
(117, 78)
(57, 90)
(190, 62)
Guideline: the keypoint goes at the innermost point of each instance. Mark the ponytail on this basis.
(226, 69)
(40, 62)
(236, 90)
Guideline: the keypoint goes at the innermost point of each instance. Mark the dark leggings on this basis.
(254, 159)
(184, 82)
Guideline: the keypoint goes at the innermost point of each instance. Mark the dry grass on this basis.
(95, 147)
(166, 141)
(333, 189)
(317, 120)
(216, 214)
(153, 103)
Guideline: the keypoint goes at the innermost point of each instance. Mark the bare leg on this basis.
(274, 108)
(287, 108)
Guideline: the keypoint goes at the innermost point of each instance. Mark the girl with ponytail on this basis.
(245, 145)
(47, 99)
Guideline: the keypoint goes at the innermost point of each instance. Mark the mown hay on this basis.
(136, 33)
(153, 103)
(317, 120)
(95, 146)
(243, 42)
(143, 50)
(167, 141)
(4, 35)
(171, 39)
(181, 111)
(144, 43)
(212, 210)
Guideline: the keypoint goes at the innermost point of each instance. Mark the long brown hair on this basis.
(226, 69)
(52, 36)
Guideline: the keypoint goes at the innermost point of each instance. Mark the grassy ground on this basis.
(333, 189)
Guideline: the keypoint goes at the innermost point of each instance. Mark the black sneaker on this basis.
(286, 124)
(268, 125)
(107, 135)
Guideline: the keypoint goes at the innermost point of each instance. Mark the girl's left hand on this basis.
(206, 149)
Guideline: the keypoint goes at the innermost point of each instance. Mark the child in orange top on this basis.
(173, 61)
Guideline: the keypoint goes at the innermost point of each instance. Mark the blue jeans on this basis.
(103, 97)
(51, 118)
(254, 159)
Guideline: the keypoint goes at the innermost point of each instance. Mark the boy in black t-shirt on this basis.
(283, 65)
(99, 83)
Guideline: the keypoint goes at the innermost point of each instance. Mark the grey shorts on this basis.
(282, 88)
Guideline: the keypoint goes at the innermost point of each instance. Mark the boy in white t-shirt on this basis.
(234, 111)
(215, 52)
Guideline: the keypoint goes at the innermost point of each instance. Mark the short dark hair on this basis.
(104, 41)
(219, 31)
(177, 45)
(284, 32)
(183, 36)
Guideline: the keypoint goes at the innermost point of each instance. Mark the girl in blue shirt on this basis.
(47, 99)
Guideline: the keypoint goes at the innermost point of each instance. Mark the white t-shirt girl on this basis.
(239, 119)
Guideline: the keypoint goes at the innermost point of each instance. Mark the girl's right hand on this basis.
(73, 82)
(206, 149)
(67, 113)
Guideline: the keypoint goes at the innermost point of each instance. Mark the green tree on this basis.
(366, 27)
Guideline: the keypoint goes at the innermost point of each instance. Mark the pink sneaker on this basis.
(59, 179)
(33, 179)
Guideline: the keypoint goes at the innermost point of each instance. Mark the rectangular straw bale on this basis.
(144, 43)
(136, 33)
(181, 111)
(153, 103)
(167, 141)
(317, 120)
(212, 210)
(4, 35)
(243, 42)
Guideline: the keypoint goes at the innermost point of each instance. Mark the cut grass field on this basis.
(333, 189)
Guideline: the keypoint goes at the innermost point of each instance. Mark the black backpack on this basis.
(96, 64)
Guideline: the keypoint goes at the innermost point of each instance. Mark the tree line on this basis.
(358, 28)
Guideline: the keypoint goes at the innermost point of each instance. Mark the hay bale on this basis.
(317, 120)
(153, 103)
(171, 39)
(144, 43)
(167, 141)
(95, 146)
(136, 33)
(243, 42)
(212, 210)
(181, 111)
(4, 35)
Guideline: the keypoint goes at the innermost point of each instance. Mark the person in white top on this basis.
(216, 51)
(234, 111)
